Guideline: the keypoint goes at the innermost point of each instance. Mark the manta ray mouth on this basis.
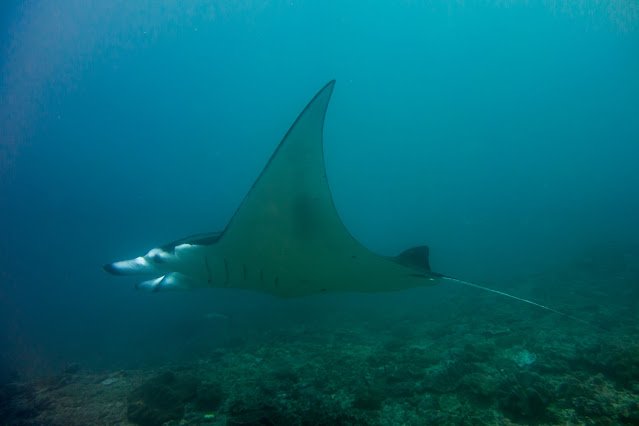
(172, 281)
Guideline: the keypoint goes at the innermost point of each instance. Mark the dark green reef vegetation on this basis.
(449, 358)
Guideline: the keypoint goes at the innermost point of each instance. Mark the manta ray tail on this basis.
(520, 299)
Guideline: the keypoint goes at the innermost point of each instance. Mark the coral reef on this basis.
(453, 363)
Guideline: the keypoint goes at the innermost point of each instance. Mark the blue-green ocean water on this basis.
(503, 134)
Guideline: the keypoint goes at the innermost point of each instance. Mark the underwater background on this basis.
(503, 134)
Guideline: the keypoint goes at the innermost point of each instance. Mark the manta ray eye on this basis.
(158, 256)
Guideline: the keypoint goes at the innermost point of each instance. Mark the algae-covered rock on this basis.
(523, 403)
(525, 397)
(604, 403)
(629, 412)
(369, 398)
(161, 399)
(20, 404)
(480, 387)
(618, 360)
(445, 377)
(209, 396)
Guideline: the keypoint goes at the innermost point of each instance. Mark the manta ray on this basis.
(286, 237)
